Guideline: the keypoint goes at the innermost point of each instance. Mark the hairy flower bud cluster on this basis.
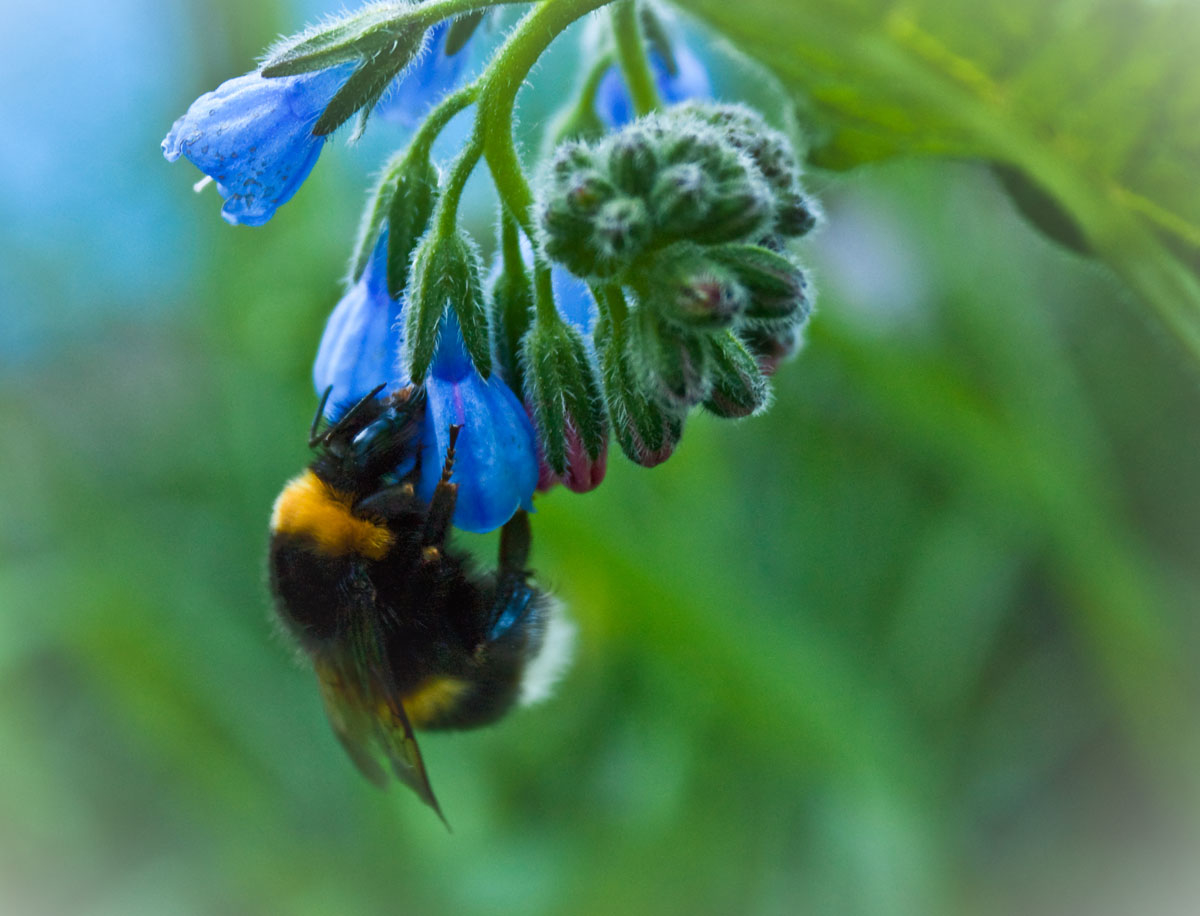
(685, 217)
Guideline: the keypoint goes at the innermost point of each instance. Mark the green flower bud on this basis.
(646, 432)
(621, 231)
(740, 205)
(632, 161)
(571, 157)
(445, 274)
(681, 198)
(686, 287)
(739, 387)
(563, 393)
(774, 284)
(772, 343)
(671, 363)
(795, 213)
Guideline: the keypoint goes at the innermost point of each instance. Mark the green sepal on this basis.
(445, 274)
(739, 388)
(741, 211)
(775, 284)
(771, 343)
(681, 198)
(351, 38)
(772, 154)
(561, 387)
(403, 201)
(672, 363)
(461, 31)
(683, 285)
(414, 196)
(512, 313)
(646, 432)
(367, 84)
(632, 161)
(621, 230)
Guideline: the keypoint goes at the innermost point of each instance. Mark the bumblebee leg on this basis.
(391, 504)
(441, 504)
(515, 538)
(513, 592)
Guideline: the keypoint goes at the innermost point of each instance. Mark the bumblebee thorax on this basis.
(310, 509)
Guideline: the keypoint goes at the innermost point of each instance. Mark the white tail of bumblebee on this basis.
(546, 668)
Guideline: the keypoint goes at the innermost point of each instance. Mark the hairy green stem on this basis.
(631, 53)
(543, 295)
(501, 82)
(435, 122)
(446, 217)
(446, 9)
(613, 298)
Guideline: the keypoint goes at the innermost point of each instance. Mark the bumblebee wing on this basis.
(350, 720)
(395, 735)
(364, 708)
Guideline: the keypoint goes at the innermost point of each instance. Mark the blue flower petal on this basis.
(495, 464)
(426, 81)
(363, 337)
(254, 137)
(574, 300)
(690, 81)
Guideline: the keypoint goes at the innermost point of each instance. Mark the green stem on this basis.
(446, 217)
(543, 295)
(448, 9)
(435, 122)
(501, 82)
(618, 309)
(510, 242)
(631, 52)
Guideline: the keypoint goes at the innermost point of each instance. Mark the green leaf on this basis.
(1095, 102)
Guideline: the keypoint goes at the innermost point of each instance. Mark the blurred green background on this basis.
(920, 640)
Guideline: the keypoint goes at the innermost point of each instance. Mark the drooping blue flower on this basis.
(254, 137)
(689, 81)
(495, 464)
(425, 82)
(360, 348)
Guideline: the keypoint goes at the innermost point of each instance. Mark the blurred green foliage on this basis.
(920, 640)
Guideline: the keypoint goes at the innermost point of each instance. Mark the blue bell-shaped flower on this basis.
(254, 137)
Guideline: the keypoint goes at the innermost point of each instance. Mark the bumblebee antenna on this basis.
(344, 420)
(312, 432)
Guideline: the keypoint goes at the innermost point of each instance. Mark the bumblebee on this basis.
(402, 631)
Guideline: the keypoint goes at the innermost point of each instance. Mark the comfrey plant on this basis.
(644, 272)
(649, 273)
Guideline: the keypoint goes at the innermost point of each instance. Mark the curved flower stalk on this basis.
(685, 81)
(495, 458)
(254, 137)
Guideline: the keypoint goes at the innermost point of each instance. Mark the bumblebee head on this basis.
(368, 440)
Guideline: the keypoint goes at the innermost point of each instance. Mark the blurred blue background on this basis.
(920, 640)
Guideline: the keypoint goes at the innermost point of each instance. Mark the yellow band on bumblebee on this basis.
(310, 509)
